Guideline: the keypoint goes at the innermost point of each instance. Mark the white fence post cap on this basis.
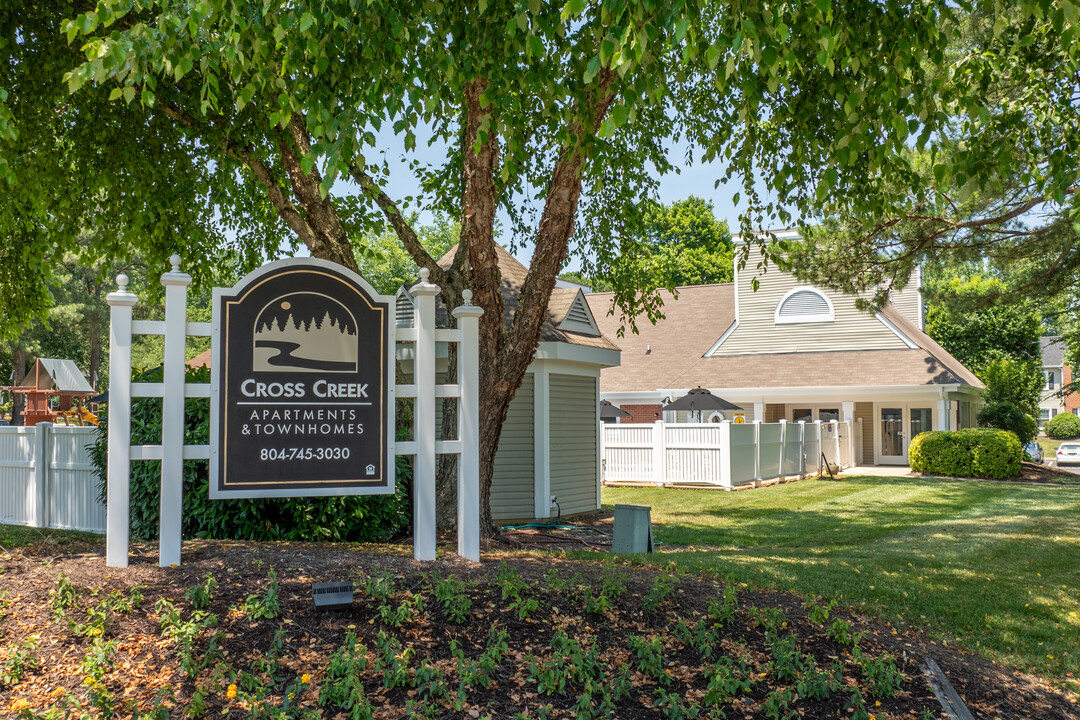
(467, 309)
(424, 287)
(121, 297)
(174, 276)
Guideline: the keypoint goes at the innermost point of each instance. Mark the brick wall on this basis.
(641, 413)
(1072, 400)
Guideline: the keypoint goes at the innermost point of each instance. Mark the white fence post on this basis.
(119, 465)
(802, 449)
(424, 420)
(783, 445)
(172, 415)
(757, 448)
(468, 515)
(40, 486)
(659, 457)
(725, 454)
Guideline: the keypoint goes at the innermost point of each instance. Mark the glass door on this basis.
(922, 420)
(892, 436)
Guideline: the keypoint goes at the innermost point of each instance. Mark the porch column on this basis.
(944, 409)
(847, 412)
(759, 412)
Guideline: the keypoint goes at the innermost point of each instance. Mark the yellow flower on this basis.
(305, 678)
(231, 692)
(292, 695)
(96, 631)
(19, 704)
(88, 680)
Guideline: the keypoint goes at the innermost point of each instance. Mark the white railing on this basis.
(722, 454)
(47, 480)
(172, 452)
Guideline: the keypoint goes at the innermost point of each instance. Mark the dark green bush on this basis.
(974, 452)
(361, 518)
(1007, 416)
(1063, 426)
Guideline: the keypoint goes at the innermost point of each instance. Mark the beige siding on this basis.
(865, 411)
(907, 300)
(852, 329)
(573, 442)
(512, 483)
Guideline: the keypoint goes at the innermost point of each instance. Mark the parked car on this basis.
(1034, 451)
(1068, 453)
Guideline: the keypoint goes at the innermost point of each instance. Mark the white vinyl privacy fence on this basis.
(46, 479)
(725, 454)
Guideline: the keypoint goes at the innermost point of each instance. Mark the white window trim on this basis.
(820, 317)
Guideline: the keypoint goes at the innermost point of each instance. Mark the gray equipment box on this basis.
(633, 529)
(332, 595)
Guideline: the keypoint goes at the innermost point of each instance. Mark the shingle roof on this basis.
(1053, 351)
(671, 353)
(513, 278)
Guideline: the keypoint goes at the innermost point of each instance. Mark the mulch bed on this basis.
(566, 649)
(1029, 473)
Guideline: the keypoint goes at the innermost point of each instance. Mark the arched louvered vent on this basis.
(405, 310)
(804, 305)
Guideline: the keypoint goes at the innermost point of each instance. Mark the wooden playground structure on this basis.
(56, 392)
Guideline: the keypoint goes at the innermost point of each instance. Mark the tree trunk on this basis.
(478, 240)
(95, 353)
(18, 361)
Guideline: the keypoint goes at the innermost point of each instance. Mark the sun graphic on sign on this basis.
(286, 305)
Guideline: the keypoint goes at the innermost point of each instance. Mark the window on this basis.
(803, 305)
(802, 415)
(716, 417)
(1044, 416)
(1050, 379)
(829, 414)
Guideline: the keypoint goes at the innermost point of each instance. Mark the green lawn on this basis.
(991, 567)
(1049, 447)
(13, 536)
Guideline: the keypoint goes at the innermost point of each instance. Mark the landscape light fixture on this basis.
(332, 595)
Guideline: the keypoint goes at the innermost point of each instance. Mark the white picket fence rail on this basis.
(47, 480)
(725, 454)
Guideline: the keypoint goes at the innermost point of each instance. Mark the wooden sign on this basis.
(302, 363)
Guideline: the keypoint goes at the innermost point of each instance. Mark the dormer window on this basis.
(803, 305)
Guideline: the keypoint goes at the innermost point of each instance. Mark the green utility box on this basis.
(633, 529)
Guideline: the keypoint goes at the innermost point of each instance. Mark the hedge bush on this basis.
(973, 452)
(1007, 416)
(364, 518)
(1063, 426)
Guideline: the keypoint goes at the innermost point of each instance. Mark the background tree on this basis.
(994, 185)
(559, 114)
(979, 331)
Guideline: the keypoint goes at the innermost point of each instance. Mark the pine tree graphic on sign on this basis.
(305, 332)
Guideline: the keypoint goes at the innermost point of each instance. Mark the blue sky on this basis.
(692, 179)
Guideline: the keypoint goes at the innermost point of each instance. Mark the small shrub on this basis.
(268, 605)
(1063, 426)
(972, 452)
(1006, 416)
(662, 589)
(201, 594)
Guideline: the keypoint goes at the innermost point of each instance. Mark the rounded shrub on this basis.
(1007, 416)
(364, 518)
(973, 452)
(1063, 426)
